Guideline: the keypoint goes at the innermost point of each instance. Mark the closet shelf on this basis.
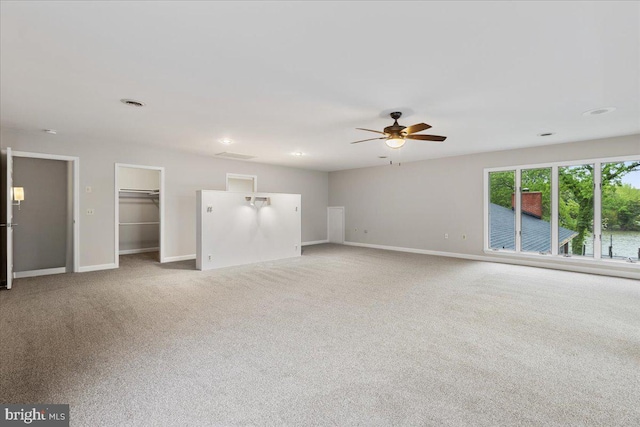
(140, 223)
(138, 193)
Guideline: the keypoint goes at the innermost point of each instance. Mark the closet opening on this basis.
(139, 213)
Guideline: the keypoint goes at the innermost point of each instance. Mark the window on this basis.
(502, 223)
(587, 209)
(575, 210)
(621, 210)
(535, 205)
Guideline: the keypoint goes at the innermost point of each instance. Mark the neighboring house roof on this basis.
(536, 233)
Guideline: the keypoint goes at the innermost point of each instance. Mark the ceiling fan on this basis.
(396, 135)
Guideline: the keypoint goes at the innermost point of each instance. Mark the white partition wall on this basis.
(242, 228)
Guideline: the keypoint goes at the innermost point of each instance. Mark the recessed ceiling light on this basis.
(225, 141)
(546, 134)
(133, 102)
(297, 153)
(50, 131)
(599, 111)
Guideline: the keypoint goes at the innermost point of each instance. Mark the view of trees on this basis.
(575, 203)
(620, 202)
(502, 185)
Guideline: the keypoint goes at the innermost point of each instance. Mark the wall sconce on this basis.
(262, 200)
(18, 196)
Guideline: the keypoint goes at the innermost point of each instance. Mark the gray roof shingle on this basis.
(536, 233)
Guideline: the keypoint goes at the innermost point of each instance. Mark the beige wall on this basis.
(138, 179)
(414, 205)
(184, 174)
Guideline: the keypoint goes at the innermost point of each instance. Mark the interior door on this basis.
(335, 225)
(9, 217)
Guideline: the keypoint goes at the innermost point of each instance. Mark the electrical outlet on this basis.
(90, 211)
(464, 237)
(209, 208)
(88, 189)
(210, 257)
(446, 235)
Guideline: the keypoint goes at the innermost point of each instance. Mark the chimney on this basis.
(531, 202)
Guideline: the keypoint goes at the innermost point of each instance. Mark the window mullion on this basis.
(554, 210)
(597, 210)
(518, 210)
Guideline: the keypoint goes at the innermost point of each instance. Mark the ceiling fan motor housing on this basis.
(395, 130)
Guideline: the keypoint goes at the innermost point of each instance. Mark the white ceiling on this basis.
(283, 77)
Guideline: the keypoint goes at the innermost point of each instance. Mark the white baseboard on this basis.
(314, 242)
(41, 272)
(88, 268)
(506, 260)
(179, 258)
(138, 251)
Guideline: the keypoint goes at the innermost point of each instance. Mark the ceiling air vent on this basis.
(235, 156)
(132, 102)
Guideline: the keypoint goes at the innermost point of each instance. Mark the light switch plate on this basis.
(88, 189)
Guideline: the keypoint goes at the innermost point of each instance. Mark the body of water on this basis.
(625, 244)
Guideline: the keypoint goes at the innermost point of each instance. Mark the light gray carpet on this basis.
(341, 336)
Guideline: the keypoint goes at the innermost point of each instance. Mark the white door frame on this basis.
(343, 223)
(9, 212)
(117, 208)
(76, 206)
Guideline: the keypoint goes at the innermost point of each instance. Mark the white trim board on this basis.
(88, 268)
(41, 272)
(179, 258)
(524, 262)
(138, 251)
(314, 242)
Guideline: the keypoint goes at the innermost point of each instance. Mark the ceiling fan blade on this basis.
(371, 139)
(434, 138)
(416, 128)
(370, 130)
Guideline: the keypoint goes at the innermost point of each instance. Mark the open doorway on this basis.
(44, 210)
(139, 213)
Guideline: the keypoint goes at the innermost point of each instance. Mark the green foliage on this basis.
(501, 186)
(620, 203)
(620, 207)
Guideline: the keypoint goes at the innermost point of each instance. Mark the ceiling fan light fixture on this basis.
(395, 142)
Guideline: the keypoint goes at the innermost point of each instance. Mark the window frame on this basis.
(597, 208)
